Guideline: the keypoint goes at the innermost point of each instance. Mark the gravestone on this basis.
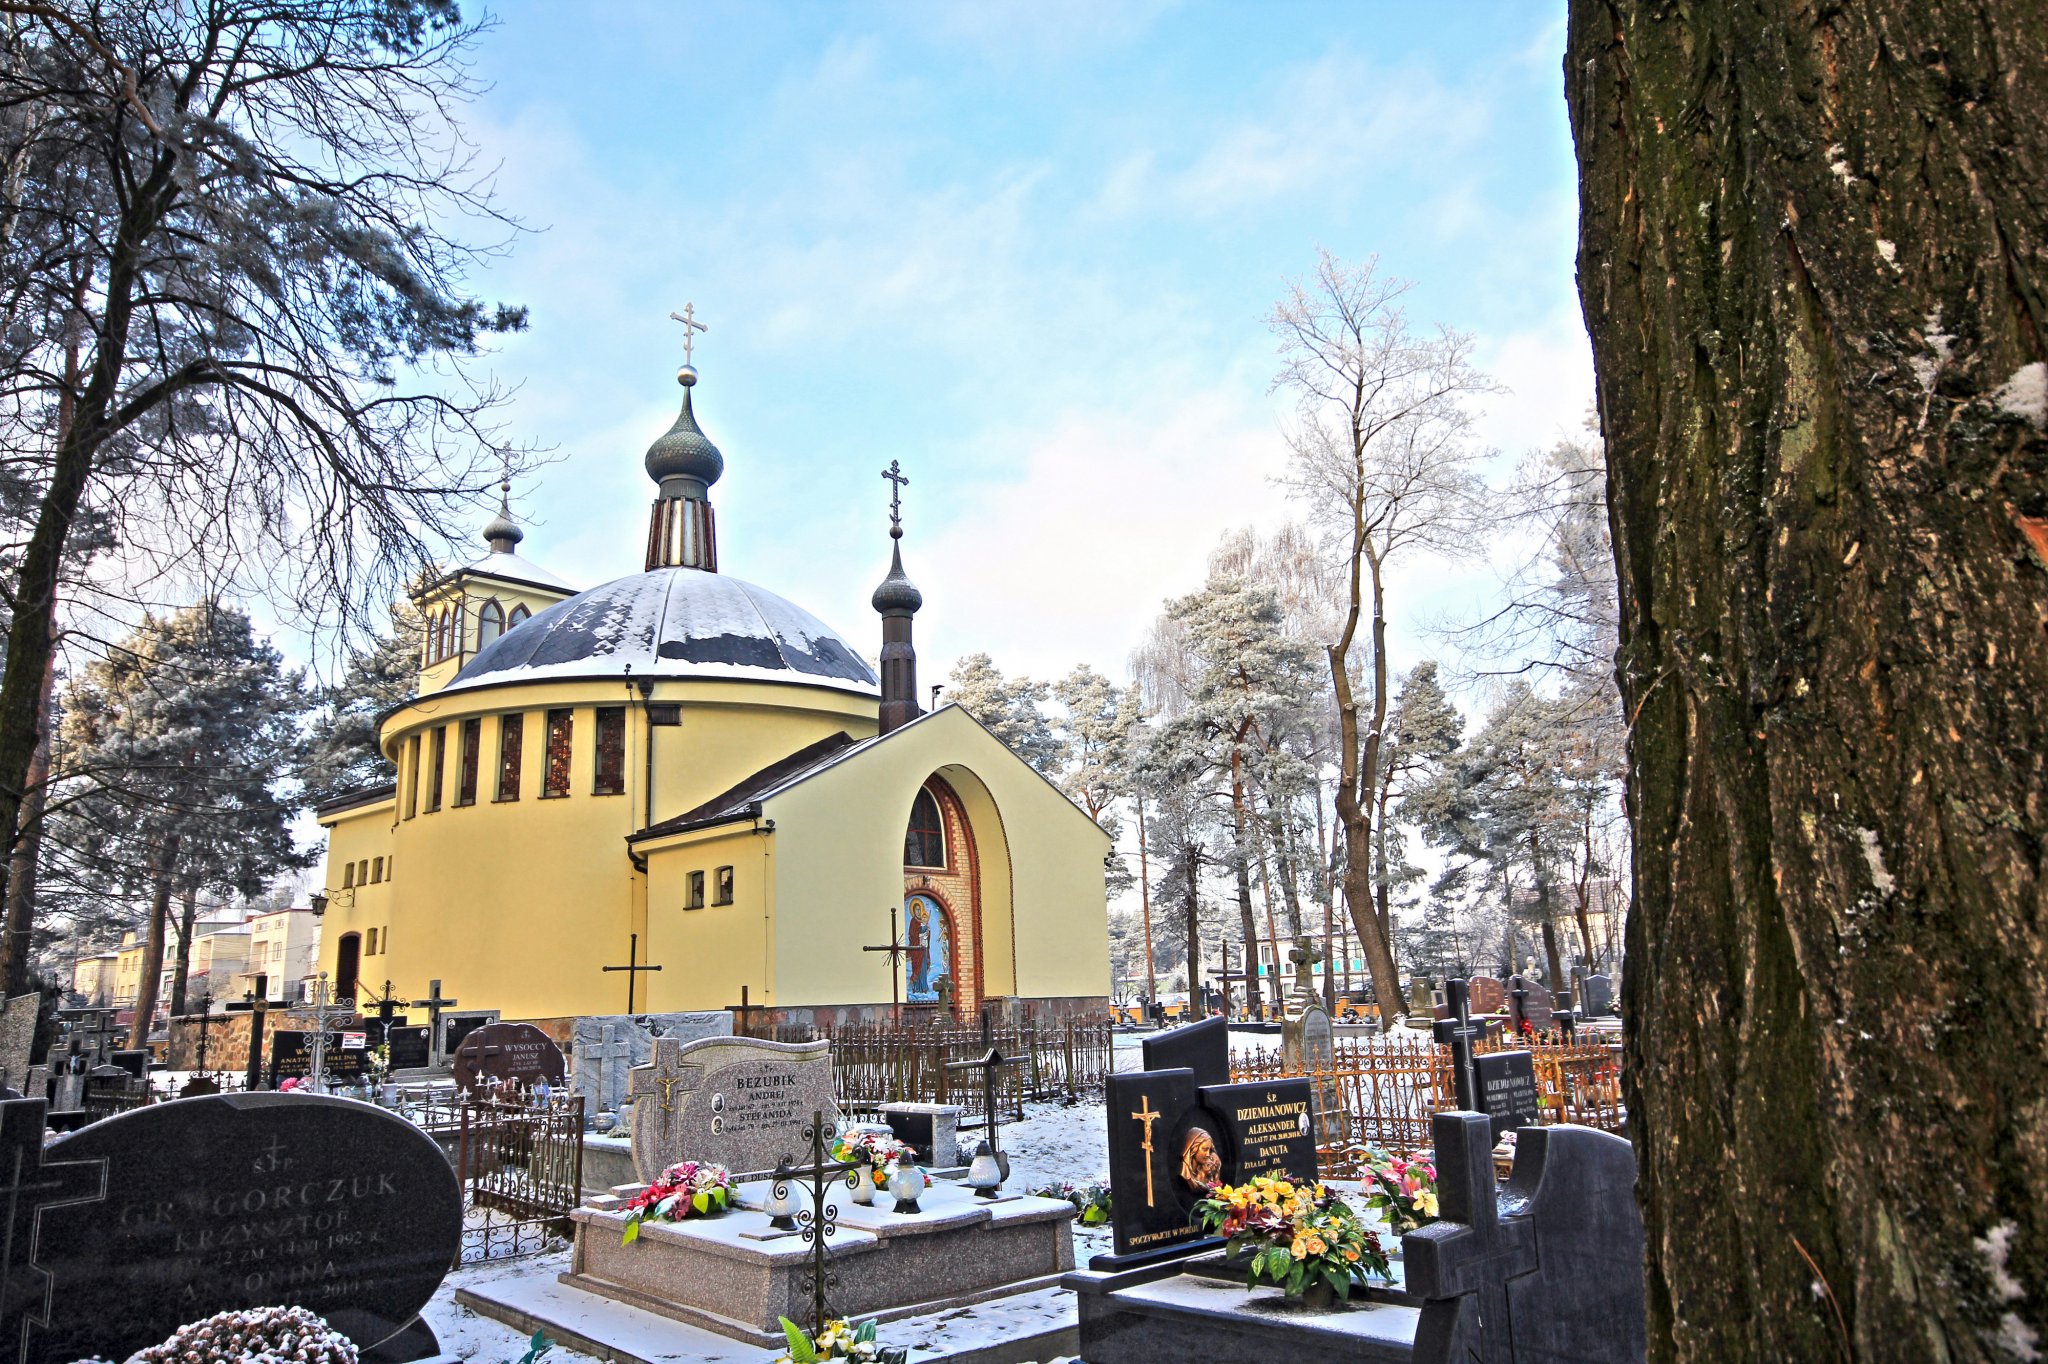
(1596, 997)
(136, 1063)
(1203, 1048)
(932, 1130)
(1420, 1002)
(171, 1213)
(1307, 1043)
(457, 1025)
(604, 1049)
(737, 1101)
(1171, 1138)
(1529, 1002)
(17, 1037)
(1507, 1090)
(291, 1058)
(1487, 995)
(411, 1046)
(508, 1053)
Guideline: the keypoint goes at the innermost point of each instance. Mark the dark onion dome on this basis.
(502, 533)
(684, 453)
(672, 622)
(897, 594)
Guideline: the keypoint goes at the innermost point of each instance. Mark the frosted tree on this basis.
(1385, 463)
(343, 752)
(1010, 708)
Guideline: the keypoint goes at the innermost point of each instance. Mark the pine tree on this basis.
(177, 750)
(343, 754)
(1009, 708)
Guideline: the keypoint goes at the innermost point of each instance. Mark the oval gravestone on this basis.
(243, 1200)
(510, 1053)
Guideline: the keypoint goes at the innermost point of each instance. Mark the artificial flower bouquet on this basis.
(878, 1150)
(839, 1339)
(1401, 1189)
(1302, 1237)
(688, 1188)
(1091, 1201)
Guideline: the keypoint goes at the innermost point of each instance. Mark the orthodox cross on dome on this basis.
(691, 326)
(894, 473)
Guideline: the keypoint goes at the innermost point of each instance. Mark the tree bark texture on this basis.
(148, 986)
(1813, 258)
(181, 969)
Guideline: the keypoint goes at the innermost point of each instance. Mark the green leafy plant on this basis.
(1091, 1201)
(535, 1348)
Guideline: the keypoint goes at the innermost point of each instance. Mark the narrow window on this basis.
(555, 779)
(724, 886)
(490, 623)
(924, 845)
(465, 778)
(412, 769)
(696, 897)
(376, 871)
(371, 950)
(440, 760)
(611, 751)
(519, 614)
(348, 876)
(363, 872)
(511, 738)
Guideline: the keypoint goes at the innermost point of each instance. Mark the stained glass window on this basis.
(555, 779)
(511, 739)
(611, 751)
(924, 845)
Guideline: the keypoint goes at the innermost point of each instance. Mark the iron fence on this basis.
(521, 1168)
(874, 1064)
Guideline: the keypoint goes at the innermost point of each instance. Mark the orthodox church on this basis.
(681, 770)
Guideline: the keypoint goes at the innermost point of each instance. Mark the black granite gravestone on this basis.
(1203, 1048)
(455, 1027)
(1596, 997)
(181, 1210)
(1507, 1090)
(291, 1057)
(409, 1045)
(136, 1063)
(1172, 1136)
(919, 1132)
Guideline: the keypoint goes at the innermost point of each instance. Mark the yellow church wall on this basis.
(706, 954)
(839, 867)
(517, 905)
(467, 593)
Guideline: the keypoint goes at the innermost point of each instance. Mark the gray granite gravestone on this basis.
(168, 1214)
(17, 1036)
(737, 1101)
(604, 1048)
(1596, 998)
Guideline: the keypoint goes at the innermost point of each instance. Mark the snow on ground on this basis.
(480, 1340)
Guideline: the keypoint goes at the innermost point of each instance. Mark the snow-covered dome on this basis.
(672, 622)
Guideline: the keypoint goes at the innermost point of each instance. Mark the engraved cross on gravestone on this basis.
(28, 1185)
(657, 1091)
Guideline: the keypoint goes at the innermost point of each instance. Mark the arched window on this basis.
(490, 623)
(519, 613)
(924, 844)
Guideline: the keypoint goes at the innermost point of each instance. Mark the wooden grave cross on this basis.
(743, 1028)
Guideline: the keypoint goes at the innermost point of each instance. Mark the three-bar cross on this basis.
(632, 968)
(897, 951)
(894, 473)
(691, 326)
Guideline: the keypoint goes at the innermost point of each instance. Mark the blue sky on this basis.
(1027, 250)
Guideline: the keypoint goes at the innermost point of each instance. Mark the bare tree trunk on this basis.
(146, 988)
(1813, 258)
(17, 946)
(1584, 890)
(1145, 900)
(181, 971)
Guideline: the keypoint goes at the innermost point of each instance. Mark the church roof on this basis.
(513, 568)
(744, 798)
(671, 622)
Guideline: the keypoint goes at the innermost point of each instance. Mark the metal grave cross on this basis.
(29, 1184)
(205, 1025)
(322, 1013)
(897, 951)
(632, 968)
(691, 326)
(988, 1063)
(1459, 1032)
(1148, 1115)
(434, 1003)
(664, 1075)
(894, 473)
(818, 1221)
(1460, 1266)
(387, 1009)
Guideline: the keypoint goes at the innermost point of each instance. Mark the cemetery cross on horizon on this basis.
(691, 326)
(632, 968)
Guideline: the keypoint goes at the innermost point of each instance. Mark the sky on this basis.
(1026, 250)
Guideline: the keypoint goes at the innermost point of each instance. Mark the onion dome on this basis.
(897, 595)
(502, 533)
(682, 459)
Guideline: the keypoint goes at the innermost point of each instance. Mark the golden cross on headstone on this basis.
(1146, 1115)
(691, 326)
